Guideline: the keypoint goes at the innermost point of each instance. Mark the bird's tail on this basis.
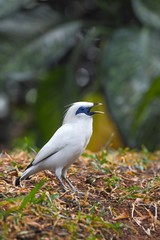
(28, 172)
(17, 182)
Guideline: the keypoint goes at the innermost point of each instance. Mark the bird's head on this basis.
(80, 110)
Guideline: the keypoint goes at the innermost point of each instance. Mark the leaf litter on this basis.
(119, 198)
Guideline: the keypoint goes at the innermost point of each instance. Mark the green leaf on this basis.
(31, 196)
(148, 12)
(35, 57)
(151, 94)
(8, 6)
(39, 19)
(130, 63)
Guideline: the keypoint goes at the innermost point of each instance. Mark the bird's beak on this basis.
(97, 112)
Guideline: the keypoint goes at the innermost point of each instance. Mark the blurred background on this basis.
(53, 53)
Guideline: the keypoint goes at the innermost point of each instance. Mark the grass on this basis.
(119, 198)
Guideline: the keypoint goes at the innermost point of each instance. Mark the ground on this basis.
(118, 198)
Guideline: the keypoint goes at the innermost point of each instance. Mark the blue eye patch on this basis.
(85, 110)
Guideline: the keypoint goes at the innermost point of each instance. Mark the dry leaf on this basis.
(123, 215)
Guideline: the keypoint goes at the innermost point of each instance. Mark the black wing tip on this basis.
(30, 165)
(17, 182)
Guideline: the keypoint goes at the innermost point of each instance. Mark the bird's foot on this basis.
(65, 189)
(74, 189)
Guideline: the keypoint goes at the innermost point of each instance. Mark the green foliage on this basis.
(112, 182)
(26, 143)
(148, 12)
(7, 6)
(151, 95)
(33, 56)
(31, 196)
(129, 63)
(50, 101)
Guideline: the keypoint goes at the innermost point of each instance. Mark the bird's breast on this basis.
(83, 134)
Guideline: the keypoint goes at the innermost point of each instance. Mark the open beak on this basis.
(97, 112)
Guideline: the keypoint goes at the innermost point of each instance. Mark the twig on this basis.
(109, 141)
(148, 232)
(156, 213)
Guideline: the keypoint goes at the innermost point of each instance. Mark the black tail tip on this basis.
(17, 182)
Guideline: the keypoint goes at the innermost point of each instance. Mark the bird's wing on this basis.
(55, 144)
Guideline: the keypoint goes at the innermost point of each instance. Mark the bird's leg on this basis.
(58, 173)
(64, 174)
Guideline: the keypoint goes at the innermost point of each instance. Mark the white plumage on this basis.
(66, 145)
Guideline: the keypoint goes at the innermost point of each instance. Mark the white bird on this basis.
(66, 145)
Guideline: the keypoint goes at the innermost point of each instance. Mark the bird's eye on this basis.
(82, 110)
